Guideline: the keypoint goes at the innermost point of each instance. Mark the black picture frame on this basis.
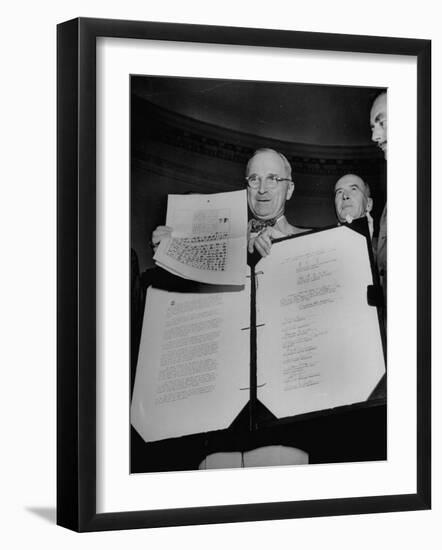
(77, 287)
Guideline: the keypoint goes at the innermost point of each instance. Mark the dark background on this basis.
(196, 135)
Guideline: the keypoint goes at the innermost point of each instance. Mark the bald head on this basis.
(352, 198)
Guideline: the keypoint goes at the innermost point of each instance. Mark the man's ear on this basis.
(369, 206)
(290, 189)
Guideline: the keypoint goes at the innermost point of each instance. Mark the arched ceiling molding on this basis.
(156, 124)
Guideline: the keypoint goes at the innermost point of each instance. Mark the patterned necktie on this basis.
(258, 225)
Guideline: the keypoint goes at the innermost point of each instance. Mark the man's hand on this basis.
(261, 242)
(160, 233)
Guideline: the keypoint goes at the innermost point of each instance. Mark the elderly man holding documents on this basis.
(269, 186)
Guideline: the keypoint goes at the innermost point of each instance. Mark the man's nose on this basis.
(375, 135)
(262, 186)
(345, 196)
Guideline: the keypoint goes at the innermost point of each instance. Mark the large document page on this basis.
(318, 341)
(194, 363)
(209, 238)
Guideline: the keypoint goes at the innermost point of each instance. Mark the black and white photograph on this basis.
(229, 349)
(258, 265)
(200, 344)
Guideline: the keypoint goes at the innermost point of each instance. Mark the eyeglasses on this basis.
(271, 181)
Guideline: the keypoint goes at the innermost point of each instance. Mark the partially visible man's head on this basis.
(378, 122)
(352, 198)
(269, 178)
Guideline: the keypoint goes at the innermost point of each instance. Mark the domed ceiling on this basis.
(301, 113)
